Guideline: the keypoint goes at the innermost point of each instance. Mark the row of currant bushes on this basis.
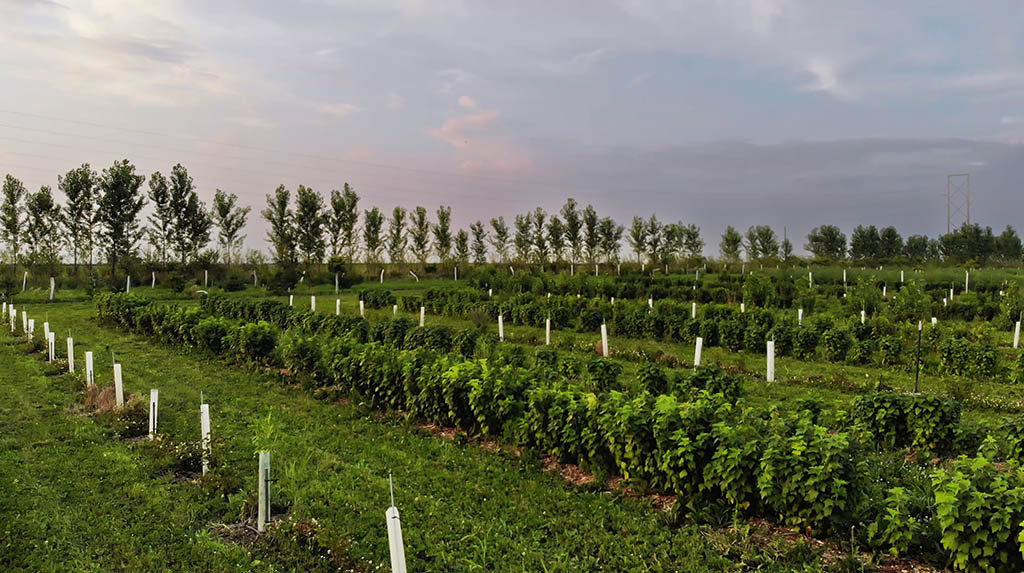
(377, 298)
(757, 289)
(705, 447)
(399, 333)
(955, 351)
(926, 423)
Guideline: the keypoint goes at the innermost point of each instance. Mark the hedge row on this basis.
(704, 446)
(959, 352)
(764, 290)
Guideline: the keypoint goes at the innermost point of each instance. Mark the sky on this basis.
(732, 112)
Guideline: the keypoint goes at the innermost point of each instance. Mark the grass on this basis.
(74, 498)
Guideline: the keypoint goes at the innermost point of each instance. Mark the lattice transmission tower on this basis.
(958, 200)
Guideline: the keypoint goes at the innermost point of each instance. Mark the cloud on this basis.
(339, 110)
(133, 52)
(987, 81)
(826, 79)
(478, 148)
(252, 121)
(639, 80)
(795, 184)
(395, 101)
(452, 78)
(457, 130)
(1011, 119)
(578, 63)
(466, 101)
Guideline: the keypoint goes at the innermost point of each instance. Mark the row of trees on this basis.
(970, 242)
(101, 215)
(318, 227)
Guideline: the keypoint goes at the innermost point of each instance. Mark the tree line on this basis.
(101, 216)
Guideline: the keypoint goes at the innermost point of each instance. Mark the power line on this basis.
(286, 152)
(240, 184)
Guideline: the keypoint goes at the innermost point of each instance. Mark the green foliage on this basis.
(256, 342)
(836, 343)
(377, 298)
(897, 528)
(211, 334)
(924, 422)
(1017, 369)
(980, 510)
(301, 354)
(890, 348)
(808, 475)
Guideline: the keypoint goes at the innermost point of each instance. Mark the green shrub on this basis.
(896, 528)
(890, 348)
(804, 343)
(954, 356)
(256, 342)
(211, 334)
(301, 354)
(808, 475)
(980, 510)
(604, 372)
(836, 343)
(1017, 369)
(924, 422)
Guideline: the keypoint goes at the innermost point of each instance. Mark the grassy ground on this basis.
(74, 498)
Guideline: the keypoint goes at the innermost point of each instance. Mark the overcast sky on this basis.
(739, 112)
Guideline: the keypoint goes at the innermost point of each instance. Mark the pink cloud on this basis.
(466, 101)
(361, 154)
(457, 130)
(478, 148)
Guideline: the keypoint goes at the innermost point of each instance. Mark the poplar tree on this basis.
(479, 242)
(462, 247)
(556, 238)
(591, 239)
(611, 239)
(730, 245)
(500, 240)
(540, 237)
(161, 221)
(79, 187)
(443, 233)
(638, 237)
(655, 239)
(43, 227)
(373, 222)
(118, 212)
(11, 219)
(281, 235)
(523, 239)
(309, 230)
(397, 238)
(230, 220)
(341, 223)
(573, 229)
(420, 235)
(190, 226)
(693, 245)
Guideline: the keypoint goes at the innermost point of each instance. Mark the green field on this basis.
(77, 494)
(76, 497)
